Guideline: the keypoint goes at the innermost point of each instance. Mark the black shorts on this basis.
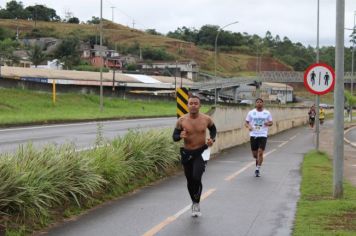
(311, 120)
(258, 142)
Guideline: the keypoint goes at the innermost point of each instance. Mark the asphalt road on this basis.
(351, 135)
(83, 135)
(234, 201)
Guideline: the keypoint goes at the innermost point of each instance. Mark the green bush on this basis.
(156, 54)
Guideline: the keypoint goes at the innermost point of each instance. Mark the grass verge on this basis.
(318, 213)
(29, 107)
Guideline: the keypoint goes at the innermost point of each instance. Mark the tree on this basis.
(5, 33)
(184, 33)
(152, 31)
(14, 10)
(43, 13)
(36, 55)
(7, 47)
(68, 52)
(94, 20)
(73, 20)
(207, 35)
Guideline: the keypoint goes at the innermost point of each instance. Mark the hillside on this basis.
(233, 64)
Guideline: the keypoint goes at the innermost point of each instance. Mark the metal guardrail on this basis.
(221, 83)
(290, 76)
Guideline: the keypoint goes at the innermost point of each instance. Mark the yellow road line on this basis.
(240, 171)
(172, 218)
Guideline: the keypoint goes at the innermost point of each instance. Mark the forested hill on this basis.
(238, 52)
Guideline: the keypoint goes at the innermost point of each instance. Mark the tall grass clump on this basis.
(135, 156)
(41, 185)
(34, 182)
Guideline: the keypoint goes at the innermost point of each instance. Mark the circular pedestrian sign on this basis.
(319, 78)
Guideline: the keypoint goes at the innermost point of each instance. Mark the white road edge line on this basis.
(76, 124)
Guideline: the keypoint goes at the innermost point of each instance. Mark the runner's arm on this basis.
(176, 133)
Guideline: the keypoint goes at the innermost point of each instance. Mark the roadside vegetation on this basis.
(42, 186)
(318, 213)
(30, 107)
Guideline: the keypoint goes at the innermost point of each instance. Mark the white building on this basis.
(54, 64)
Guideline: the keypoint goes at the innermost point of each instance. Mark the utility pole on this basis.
(175, 78)
(113, 79)
(101, 55)
(133, 23)
(112, 14)
(339, 101)
(317, 97)
(17, 29)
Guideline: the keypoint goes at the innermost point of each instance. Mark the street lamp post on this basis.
(216, 44)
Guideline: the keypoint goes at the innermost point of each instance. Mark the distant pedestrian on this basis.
(257, 121)
(192, 129)
(321, 115)
(312, 114)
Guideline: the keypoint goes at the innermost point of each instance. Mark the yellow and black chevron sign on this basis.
(182, 102)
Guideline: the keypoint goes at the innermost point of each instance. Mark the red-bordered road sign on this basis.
(319, 78)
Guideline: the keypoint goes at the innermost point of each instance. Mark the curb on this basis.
(348, 141)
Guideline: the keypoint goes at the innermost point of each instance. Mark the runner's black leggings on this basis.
(193, 171)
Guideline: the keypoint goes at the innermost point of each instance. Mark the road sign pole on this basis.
(317, 124)
(316, 80)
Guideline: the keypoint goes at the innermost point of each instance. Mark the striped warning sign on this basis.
(182, 102)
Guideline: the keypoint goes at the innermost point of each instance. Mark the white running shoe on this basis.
(196, 210)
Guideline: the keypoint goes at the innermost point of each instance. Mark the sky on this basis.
(296, 20)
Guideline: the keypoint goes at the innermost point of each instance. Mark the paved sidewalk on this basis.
(327, 145)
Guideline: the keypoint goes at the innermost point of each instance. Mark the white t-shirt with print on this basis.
(257, 120)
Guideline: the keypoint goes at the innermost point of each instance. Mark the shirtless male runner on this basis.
(192, 129)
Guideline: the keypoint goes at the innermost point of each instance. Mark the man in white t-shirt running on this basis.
(257, 121)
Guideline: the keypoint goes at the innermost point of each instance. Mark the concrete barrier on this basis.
(230, 124)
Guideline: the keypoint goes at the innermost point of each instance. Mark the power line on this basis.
(132, 19)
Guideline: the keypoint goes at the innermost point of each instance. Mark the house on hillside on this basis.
(186, 68)
(270, 92)
(110, 58)
(24, 59)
